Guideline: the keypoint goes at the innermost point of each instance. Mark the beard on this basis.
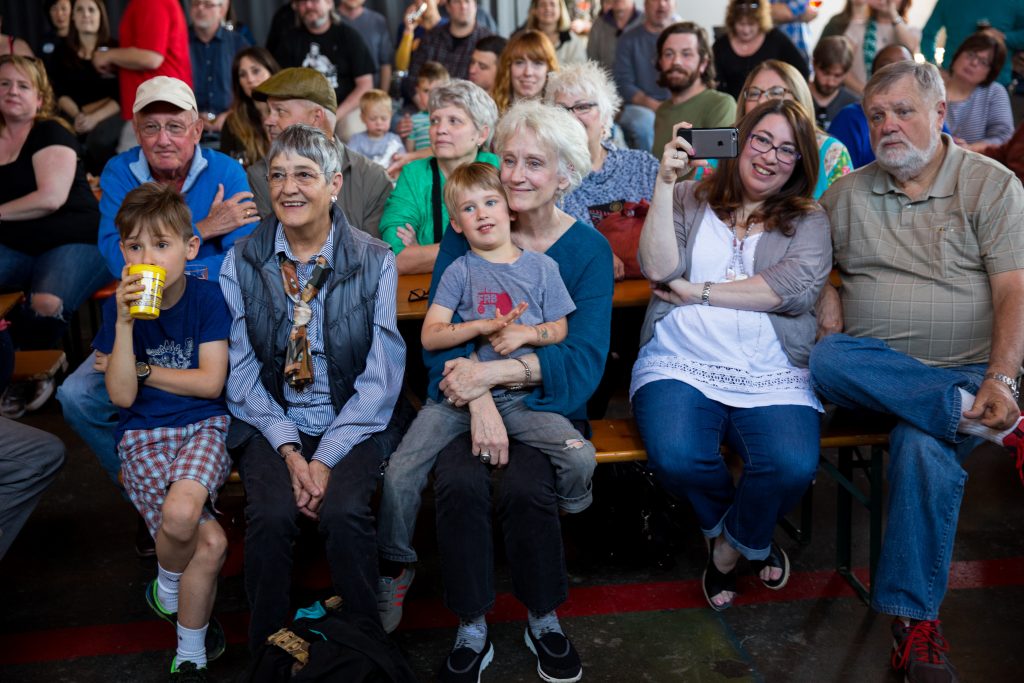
(907, 162)
(826, 91)
(677, 80)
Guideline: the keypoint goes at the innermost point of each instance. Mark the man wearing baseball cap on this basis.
(166, 122)
(303, 95)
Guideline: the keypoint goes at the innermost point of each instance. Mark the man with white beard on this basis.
(929, 245)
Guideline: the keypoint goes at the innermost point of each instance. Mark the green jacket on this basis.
(412, 202)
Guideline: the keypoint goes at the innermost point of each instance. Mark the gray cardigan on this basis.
(795, 267)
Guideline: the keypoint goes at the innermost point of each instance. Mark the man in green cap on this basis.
(303, 95)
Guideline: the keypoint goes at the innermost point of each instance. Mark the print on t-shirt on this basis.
(315, 60)
(171, 354)
(501, 301)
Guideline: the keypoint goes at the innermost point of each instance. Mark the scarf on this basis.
(298, 368)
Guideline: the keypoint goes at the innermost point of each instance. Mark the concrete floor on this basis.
(71, 606)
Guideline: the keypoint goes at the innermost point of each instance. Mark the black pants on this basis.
(346, 524)
(527, 510)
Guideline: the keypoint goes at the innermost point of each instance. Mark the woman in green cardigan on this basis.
(462, 118)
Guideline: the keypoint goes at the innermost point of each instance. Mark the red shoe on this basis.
(1015, 442)
(919, 651)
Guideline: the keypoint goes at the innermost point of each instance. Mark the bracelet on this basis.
(526, 380)
(1010, 383)
(297, 447)
(705, 296)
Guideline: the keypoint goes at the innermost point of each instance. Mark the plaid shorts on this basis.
(153, 459)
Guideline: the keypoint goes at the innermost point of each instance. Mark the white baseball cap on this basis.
(164, 89)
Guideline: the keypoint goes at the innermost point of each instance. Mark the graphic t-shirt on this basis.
(476, 288)
(340, 54)
(171, 341)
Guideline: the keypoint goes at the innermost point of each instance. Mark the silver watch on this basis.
(1012, 383)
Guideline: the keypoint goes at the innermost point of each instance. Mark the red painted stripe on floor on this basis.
(127, 638)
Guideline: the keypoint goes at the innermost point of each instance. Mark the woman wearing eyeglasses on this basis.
(872, 25)
(48, 219)
(737, 261)
(978, 110)
(618, 175)
(748, 41)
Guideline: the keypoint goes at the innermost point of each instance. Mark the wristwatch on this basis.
(142, 371)
(295, 446)
(1010, 382)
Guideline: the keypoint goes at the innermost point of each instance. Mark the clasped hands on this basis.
(309, 481)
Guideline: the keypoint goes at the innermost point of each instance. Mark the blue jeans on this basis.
(638, 126)
(683, 431)
(436, 425)
(926, 455)
(88, 410)
(71, 272)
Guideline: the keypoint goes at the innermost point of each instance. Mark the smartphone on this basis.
(711, 143)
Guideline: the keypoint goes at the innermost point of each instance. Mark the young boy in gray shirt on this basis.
(482, 287)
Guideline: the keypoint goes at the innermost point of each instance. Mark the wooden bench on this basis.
(618, 440)
(34, 366)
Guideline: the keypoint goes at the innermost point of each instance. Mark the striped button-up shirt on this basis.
(311, 412)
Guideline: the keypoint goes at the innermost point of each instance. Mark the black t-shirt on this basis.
(731, 69)
(825, 115)
(75, 222)
(74, 77)
(340, 54)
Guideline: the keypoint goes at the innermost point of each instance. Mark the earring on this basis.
(334, 198)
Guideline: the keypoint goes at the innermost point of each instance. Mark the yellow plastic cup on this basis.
(153, 277)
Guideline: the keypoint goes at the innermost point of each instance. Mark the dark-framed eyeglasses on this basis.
(786, 153)
(776, 92)
(418, 294)
(580, 108)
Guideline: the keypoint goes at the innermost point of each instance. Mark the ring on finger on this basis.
(450, 400)
(485, 457)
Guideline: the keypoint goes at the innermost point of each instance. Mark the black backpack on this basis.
(326, 643)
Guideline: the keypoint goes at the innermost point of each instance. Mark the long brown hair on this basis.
(33, 68)
(723, 189)
(530, 44)
(243, 119)
(102, 35)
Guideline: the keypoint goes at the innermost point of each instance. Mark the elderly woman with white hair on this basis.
(543, 154)
(618, 175)
(462, 118)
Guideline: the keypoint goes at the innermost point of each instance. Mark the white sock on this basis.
(167, 588)
(472, 634)
(544, 623)
(974, 427)
(192, 645)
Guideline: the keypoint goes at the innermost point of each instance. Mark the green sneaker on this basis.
(188, 672)
(216, 641)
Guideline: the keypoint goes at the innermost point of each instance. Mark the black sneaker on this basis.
(463, 665)
(188, 672)
(557, 660)
(216, 641)
(919, 651)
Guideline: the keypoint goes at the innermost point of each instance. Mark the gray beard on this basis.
(912, 163)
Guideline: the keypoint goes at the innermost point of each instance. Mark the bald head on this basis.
(890, 54)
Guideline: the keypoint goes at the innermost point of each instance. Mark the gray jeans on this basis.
(29, 461)
(437, 424)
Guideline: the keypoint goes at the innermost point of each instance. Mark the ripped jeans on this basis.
(437, 424)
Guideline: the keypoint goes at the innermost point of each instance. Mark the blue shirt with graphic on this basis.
(476, 288)
(171, 341)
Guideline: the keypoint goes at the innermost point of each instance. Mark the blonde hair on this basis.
(35, 72)
(476, 174)
(374, 98)
(795, 84)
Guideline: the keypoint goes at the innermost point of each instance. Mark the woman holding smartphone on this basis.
(737, 261)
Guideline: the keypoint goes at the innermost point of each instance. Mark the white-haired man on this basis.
(929, 246)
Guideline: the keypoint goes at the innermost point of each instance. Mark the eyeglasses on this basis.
(418, 294)
(301, 178)
(581, 108)
(776, 92)
(786, 154)
(978, 58)
(175, 129)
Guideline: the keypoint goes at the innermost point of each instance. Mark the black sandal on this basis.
(778, 559)
(714, 581)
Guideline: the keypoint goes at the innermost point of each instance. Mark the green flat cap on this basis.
(298, 83)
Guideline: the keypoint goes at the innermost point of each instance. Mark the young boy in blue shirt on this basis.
(482, 288)
(167, 377)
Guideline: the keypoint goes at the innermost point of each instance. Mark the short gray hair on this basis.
(556, 130)
(470, 98)
(587, 80)
(312, 143)
(926, 76)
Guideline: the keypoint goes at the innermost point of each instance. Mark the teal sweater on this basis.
(412, 202)
(572, 369)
